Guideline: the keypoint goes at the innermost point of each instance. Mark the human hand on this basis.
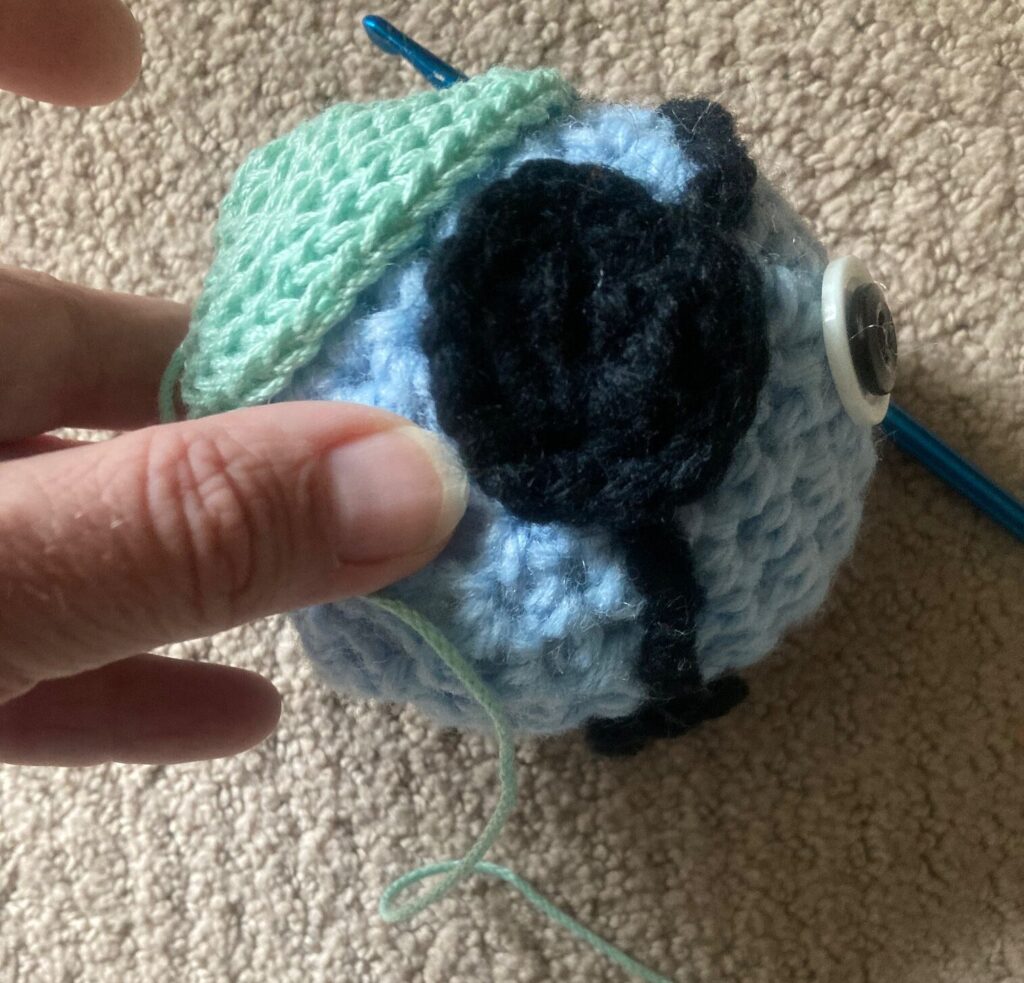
(169, 532)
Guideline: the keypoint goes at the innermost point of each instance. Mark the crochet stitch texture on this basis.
(314, 219)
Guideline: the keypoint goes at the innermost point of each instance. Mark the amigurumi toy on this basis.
(617, 324)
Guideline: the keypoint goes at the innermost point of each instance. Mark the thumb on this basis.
(182, 530)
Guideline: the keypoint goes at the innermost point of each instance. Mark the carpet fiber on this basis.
(861, 817)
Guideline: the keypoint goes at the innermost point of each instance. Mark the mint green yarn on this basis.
(461, 869)
(314, 218)
(456, 871)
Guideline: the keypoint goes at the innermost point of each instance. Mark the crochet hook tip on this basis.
(379, 31)
(392, 41)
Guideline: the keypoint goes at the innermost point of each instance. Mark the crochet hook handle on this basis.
(939, 458)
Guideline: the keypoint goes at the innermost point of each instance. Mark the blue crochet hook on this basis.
(392, 41)
(915, 439)
(909, 435)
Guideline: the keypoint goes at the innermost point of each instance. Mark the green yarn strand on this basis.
(457, 871)
(545, 907)
(454, 872)
(315, 218)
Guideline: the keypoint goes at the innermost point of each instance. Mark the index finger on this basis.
(75, 357)
(69, 52)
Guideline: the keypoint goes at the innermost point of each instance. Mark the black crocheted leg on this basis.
(660, 563)
(659, 720)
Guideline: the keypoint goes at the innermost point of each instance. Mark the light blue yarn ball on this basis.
(547, 613)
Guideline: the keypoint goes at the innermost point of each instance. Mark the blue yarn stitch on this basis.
(547, 614)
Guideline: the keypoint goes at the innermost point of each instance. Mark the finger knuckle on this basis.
(15, 283)
(221, 513)
(35, 312)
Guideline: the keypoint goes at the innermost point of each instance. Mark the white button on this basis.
(860, 339)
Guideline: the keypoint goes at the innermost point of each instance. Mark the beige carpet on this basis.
(861, 818)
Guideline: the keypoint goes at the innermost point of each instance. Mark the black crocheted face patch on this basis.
(595, 354)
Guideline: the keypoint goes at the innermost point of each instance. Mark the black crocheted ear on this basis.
(723, 186)
(594, 353)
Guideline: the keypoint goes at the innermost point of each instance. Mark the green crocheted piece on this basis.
(314, 218)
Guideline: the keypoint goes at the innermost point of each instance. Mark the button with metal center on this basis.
(860, 339)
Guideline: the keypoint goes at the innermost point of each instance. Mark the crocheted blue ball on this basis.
(552, 612)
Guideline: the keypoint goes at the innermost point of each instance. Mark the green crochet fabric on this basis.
(314, 218)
